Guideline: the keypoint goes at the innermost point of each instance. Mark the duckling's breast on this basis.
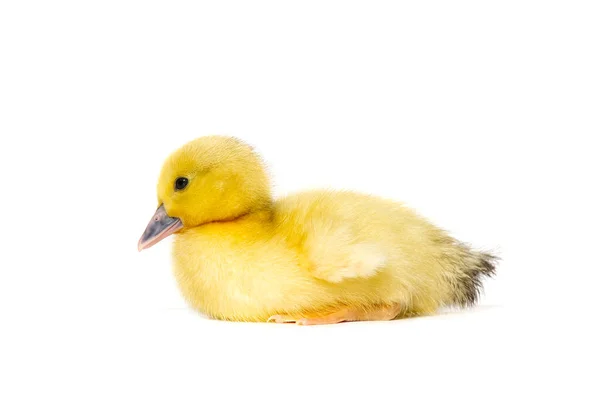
(232, 277)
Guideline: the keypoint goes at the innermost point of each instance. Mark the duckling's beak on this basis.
(159, 227)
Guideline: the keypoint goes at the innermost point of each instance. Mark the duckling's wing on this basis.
(340, 234)
(335, 253)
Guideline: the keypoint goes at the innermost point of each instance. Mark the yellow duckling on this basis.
(317, 257)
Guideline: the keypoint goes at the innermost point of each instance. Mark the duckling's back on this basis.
(377, 250)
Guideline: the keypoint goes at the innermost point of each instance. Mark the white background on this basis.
(482, 116)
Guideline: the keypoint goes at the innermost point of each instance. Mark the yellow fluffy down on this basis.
(244, 256)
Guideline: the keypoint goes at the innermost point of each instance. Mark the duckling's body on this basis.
(319, 257)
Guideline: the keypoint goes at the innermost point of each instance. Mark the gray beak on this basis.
(159, 227)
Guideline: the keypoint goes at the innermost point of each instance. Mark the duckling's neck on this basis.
(258, 221)
(261, 216)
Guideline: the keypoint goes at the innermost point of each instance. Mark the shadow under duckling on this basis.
(316, 257)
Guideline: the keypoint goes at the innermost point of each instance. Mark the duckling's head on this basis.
(210, 179)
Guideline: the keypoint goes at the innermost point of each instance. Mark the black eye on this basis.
(181, 183)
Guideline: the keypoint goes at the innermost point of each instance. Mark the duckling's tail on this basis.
(470, 269)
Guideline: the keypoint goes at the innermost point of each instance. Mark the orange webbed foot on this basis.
(381, 313)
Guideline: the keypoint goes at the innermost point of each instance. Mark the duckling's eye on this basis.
(181, 183)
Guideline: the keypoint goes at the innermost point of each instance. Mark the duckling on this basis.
(315, 257)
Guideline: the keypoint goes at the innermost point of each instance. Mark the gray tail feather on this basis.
(468, 286)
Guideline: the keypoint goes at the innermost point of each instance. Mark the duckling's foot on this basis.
(281, 319)
(382, 313)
